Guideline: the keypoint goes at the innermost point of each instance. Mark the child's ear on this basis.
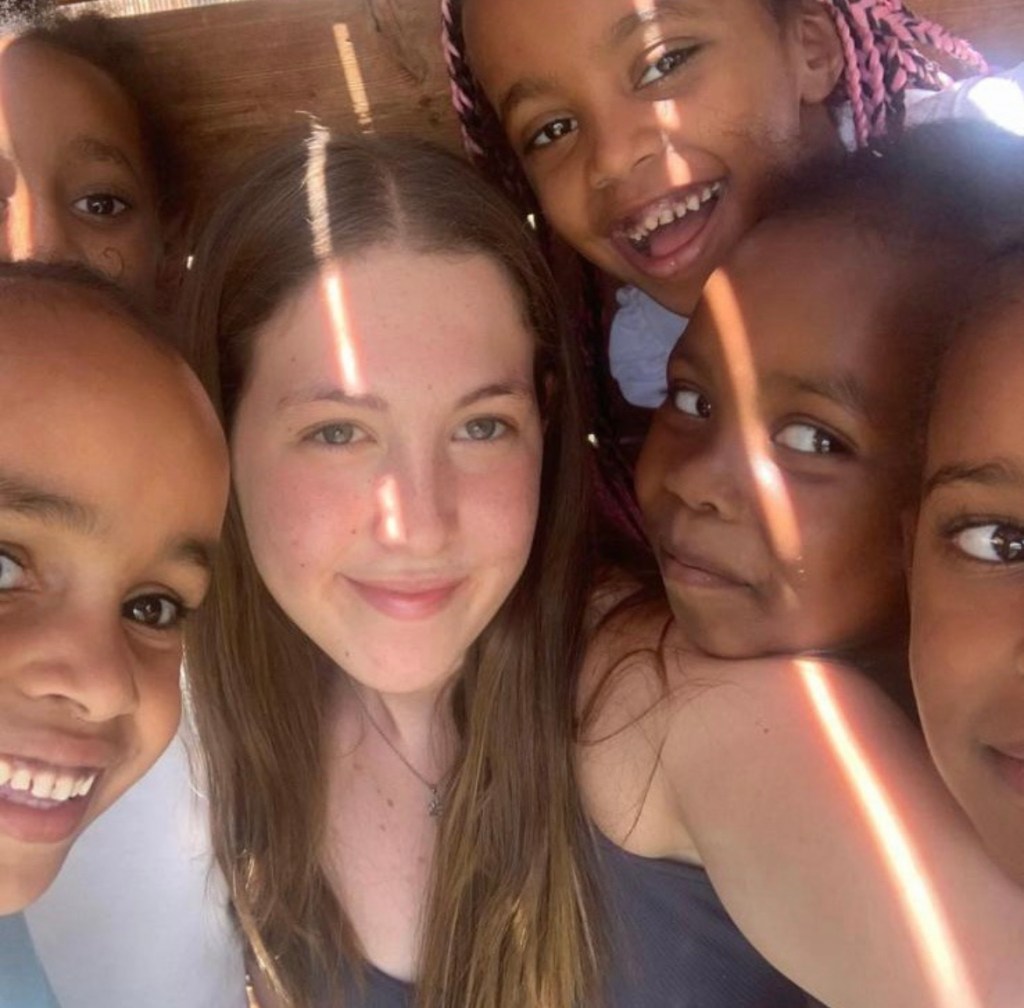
(820, 51)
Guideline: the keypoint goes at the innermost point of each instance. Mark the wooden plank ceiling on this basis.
(242, 72)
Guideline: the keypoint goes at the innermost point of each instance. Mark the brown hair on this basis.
(511, 913)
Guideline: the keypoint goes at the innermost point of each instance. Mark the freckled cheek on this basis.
(499, 509)
(297, 520)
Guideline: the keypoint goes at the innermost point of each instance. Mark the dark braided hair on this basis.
(486, 144)
(882, 47)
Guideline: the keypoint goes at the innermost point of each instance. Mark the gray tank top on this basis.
(674, 946)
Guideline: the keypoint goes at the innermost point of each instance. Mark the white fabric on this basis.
(643, 332)
(137, 917)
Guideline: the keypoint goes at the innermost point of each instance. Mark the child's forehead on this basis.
(806, 305)
(59, 342)
(40, 79)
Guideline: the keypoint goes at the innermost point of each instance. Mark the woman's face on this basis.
(967, 584)
(387, 456)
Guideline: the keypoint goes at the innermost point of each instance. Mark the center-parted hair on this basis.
(511, 914)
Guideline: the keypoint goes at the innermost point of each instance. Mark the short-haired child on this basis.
(967, 566)
(113, 481)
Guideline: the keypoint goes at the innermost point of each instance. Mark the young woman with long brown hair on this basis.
(391, 683)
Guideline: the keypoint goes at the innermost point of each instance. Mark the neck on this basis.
(419, 724)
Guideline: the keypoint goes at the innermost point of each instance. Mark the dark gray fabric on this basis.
(674, 945)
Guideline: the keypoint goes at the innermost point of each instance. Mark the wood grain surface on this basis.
(240, 73)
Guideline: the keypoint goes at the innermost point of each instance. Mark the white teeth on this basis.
(63, 787)
(667, 213)
(47, 785)
(42, 784)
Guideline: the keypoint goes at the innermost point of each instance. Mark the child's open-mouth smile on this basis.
(668, 234)
(43, 802)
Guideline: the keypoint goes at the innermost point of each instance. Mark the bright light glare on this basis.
(926, 919)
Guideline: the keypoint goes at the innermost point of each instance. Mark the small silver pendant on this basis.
(436, 804)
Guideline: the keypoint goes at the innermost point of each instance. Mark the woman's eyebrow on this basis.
(333, 394)
(518, 390)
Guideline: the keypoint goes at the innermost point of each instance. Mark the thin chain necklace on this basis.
(436, 804)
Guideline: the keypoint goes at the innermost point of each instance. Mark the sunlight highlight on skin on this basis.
(353, 77)
(774, 502)
(331, 283)
(929, 928)
(18, 222)
(392, 526)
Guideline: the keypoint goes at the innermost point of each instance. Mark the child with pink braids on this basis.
(645, 131)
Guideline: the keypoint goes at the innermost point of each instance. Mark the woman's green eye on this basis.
(482, 429)
(336, 434)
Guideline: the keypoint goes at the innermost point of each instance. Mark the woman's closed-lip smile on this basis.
(410, 599)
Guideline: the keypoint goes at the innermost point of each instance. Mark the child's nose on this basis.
(713, 479)
(82, 662)
(38, 229)
(624, 135)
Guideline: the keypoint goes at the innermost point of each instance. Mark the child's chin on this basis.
(23, 883)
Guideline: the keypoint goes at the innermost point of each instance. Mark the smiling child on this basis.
(113, 478)
(967, 593)
(88, 172)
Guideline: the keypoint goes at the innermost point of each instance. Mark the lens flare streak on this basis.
(332, 284)
(937, 950)
(776, 506)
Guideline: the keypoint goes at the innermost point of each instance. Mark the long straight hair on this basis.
(511, 917)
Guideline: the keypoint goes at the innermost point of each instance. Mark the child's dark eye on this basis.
(809, 439)
(992, 543)
(665, 65)
(100, 205)
(552, 131)
(12, 574)
(160, 612)
(691, 402)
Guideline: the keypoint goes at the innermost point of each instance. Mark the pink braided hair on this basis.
(487, 146)
(882, 43)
